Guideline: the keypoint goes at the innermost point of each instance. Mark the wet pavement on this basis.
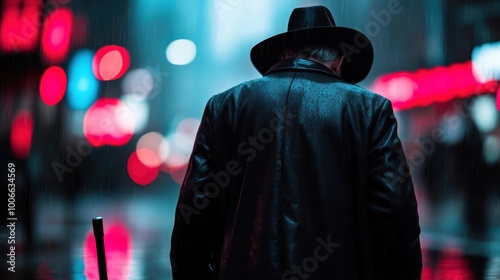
(138, 223)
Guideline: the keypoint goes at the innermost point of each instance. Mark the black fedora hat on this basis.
(310, 26)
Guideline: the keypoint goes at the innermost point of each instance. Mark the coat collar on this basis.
(302, 64)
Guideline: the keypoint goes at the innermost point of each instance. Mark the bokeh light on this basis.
(178, 174)
(110, 62)
(493, 268)
(15, 34)
(498, 99)
(453, 265)
(140, 111)
(148, 158)
(56, 35)
(53, 85)
(21, 134)
(83, 87)
(400, 89)
(453, 127)
(486, 62)
(108, 122)
(153, 149)
(139, 172)
(181, 142)
(138, 83)
(118, 252)
(426, 86)
(181, 52)
(484, 113)
(189, 127)
(175, 161)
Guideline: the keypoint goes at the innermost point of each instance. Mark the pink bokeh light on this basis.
(108, 122)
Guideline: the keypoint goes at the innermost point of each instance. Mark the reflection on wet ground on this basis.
(137, 237)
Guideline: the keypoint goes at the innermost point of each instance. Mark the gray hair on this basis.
(320, 54)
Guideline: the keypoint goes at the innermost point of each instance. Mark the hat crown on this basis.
(309, 26)
(310, 17)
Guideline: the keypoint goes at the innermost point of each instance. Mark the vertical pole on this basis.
(99, 243)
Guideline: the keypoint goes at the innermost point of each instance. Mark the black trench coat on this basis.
(297, 175)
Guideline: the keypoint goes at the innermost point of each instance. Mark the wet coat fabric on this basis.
(297, 175)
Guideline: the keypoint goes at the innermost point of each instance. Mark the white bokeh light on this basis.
(138, 83)
(484, 113)
(181, 52)
(125, 119)
(486, 62)
(181, 142)
(155, 143)
(139, 109)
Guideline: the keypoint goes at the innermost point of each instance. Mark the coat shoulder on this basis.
(364, 94)
(357, 95)
(234, 93)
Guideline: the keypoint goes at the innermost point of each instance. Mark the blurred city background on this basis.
(100, 102)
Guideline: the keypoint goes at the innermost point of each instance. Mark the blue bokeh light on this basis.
(83, 87)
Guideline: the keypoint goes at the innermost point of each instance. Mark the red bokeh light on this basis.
(56, 35)
(148, 158)
(21, 134)
(110, 62)
(53, 85)
(108, 122)
(498, 99)
(452, 265)
(426, 86)
(153, 149)
(140, 173)
(19, 28)
(118, 251)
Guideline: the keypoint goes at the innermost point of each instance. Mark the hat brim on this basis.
(354, 45)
